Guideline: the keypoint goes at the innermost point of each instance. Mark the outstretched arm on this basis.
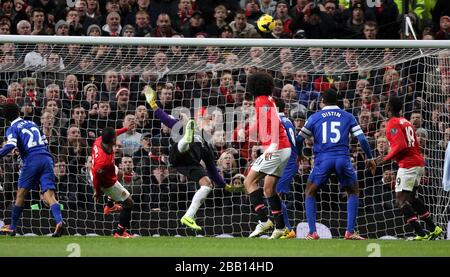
(121, 131)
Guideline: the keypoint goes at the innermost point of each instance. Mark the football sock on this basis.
(198, 199)
(125, 217)
(411, 218)
(110, 202)
(352, 212)
(310, 206)
(183, 146)
(16, 213)
(275, 207)
(56, 212)
(257, 201)
(285, 215)
(120, 229)
(423, 213)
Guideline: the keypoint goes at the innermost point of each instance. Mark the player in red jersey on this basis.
(104, 177)
(270, 165)
(406, 152)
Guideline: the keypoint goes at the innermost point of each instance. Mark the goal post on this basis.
(73, 87)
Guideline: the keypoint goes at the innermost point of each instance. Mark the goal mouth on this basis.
(73, 87)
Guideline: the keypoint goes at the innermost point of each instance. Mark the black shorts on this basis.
(188, 163)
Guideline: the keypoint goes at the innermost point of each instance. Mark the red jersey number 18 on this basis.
(410, 136)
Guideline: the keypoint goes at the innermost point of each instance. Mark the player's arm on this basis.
(97, 178)
(397, 142)
(10, 144)
(305, 133)
(359, 134)
(121, 131)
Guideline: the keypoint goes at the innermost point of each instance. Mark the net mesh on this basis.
(74, 91)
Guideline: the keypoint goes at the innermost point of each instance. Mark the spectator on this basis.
(142, 23)
(131, 139)
(353, 27)
(268, 6)
(62, 28)
(112, 27)
(73, 19)
(195, 26)
(220, 14)
(163, 27)
(242, 29)
(252, 11)
(133, 183)
(24, 28)
(282, 13)
(370, 30)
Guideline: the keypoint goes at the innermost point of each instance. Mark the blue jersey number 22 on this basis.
(35, 138)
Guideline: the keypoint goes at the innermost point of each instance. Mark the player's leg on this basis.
(124, 218)
(119, 194)
(28, 180)
(188, 138)
(256, 193)
(425, 215)
(16, 213)
(311, 208)
(275, 205)
(211, 168)
(404, 187)
(317, 177)
(55, 208)
(199, 197)
(111, 206)
(421, 210)
(348, 180)
(48, 188)
(402, 201)
(283, 188)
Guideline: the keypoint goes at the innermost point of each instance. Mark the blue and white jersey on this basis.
(330, 128)
(26, 136)
(290, 131)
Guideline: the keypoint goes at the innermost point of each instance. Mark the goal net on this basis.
(74, 88)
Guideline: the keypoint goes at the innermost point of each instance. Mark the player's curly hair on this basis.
(10, 111)
(260, 83)
(108, 135)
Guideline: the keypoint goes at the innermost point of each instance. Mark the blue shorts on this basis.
(37, 170)
(324, 167)
(291, 169)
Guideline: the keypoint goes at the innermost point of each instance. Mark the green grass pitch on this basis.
(216, 247)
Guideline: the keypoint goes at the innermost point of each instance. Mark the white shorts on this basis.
(117, 192)
(275, 165)
(408, 178)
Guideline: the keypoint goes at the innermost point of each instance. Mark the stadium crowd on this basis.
(74, 91)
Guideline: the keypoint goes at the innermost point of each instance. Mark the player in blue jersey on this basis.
(37, 166)
(291, 169)
(330, 128)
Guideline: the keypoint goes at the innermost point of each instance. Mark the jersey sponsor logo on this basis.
(266, 108)
(393, 131)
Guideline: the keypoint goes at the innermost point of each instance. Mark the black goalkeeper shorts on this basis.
(188, 163)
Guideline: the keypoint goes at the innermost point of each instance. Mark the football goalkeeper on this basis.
(185, 156)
